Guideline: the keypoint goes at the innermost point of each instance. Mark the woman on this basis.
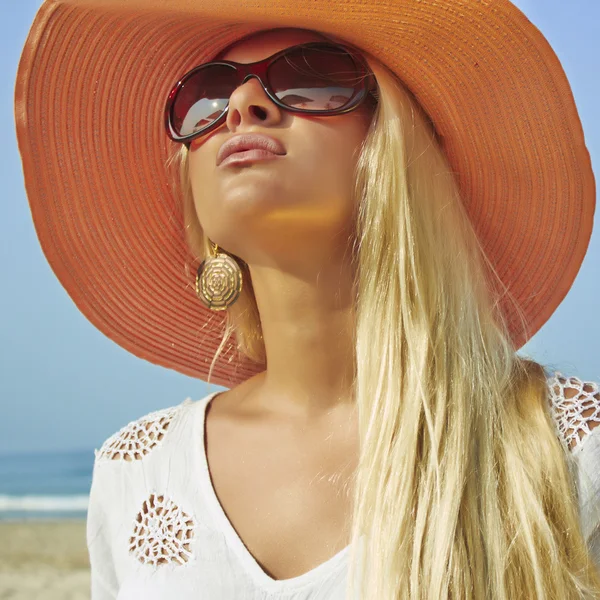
(395, 430)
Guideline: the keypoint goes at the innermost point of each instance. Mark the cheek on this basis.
(203, 184)
(334, 157)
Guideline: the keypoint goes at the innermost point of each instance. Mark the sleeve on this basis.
(119, 470)
(576, 409)
(104, 584)
(588, 473)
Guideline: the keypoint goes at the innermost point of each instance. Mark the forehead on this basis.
(265, 43)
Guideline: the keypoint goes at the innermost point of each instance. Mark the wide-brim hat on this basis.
(90, 93)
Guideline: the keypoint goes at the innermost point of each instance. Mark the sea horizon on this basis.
(45, 485)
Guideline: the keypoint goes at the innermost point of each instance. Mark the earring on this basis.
(218, 280)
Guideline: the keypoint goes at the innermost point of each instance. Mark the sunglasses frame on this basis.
(244, 71)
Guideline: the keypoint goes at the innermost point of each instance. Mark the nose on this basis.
(249, 104)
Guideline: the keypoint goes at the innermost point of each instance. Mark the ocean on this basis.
(45, 485)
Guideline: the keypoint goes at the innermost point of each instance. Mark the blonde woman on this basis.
(360, 211)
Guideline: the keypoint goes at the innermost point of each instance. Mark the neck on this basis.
(307, 319)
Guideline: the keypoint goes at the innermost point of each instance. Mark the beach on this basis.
(44, 560)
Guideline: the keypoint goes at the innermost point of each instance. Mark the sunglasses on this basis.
(317, 78)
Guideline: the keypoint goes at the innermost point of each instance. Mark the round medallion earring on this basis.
(218, 280)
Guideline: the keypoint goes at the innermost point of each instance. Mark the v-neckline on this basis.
(248, 561)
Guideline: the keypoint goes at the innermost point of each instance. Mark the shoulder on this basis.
(575, 407)
(139, 437)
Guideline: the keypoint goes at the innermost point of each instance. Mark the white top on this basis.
(156, 529)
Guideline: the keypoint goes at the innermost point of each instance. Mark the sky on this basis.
(65, 385)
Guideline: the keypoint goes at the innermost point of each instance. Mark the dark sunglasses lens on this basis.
(323, 78)
(202, 98)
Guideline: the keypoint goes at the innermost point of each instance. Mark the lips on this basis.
(249, 141)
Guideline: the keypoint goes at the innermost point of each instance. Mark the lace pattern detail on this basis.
(162, 532)
(575, 406)
(137, 438)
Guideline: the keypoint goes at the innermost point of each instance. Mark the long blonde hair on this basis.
(462, 489)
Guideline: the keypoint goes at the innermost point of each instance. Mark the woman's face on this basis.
(273, 207)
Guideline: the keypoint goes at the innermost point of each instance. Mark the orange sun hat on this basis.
(90, 94)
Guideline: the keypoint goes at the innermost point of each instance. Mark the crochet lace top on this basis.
(156, 529)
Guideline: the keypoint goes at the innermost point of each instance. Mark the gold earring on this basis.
(218, 280)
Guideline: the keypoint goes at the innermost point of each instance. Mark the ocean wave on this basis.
(44, 503)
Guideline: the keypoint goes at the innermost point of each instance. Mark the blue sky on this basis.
(65, 385)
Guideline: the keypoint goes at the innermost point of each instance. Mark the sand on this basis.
(44, 560)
